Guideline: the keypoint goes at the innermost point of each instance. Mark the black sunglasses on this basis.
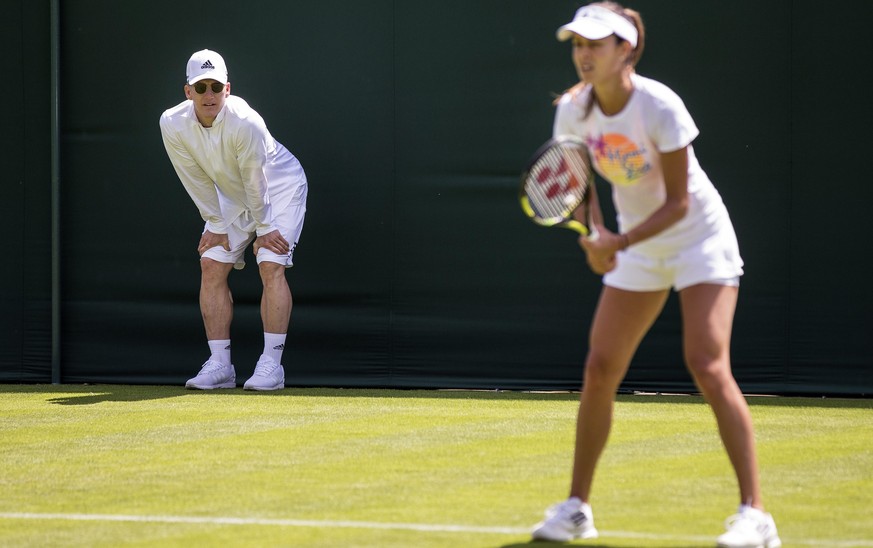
(200, 87)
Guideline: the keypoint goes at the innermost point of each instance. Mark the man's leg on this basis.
(275, 251)
(276, 314)
(216, 301)
(216, 307)
(276, 301)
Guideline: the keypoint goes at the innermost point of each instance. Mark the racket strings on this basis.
(557, 182)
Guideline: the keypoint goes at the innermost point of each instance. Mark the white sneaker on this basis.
(566, 521)
(213, 375)
(268, 375)
(750, 528)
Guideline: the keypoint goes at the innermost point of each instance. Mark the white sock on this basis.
(220, 351)
(274, 345)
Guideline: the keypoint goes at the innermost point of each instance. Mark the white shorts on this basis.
(242, 232)
(715, 260)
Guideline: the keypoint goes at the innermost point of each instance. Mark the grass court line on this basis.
(419, 527)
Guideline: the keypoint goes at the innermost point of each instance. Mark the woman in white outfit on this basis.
(674, 233)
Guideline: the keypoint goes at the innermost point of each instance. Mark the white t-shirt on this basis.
(234, 167)
(625, 151)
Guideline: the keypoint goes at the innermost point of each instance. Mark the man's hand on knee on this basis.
(272, 241)
(210, 239)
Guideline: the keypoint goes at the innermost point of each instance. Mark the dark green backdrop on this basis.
(412, 119)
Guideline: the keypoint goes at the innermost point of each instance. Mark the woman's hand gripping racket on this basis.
(556, 183)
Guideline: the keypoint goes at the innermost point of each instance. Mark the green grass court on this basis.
(108, 465)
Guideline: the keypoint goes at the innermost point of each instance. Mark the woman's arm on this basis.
(601, 252)
(674, 166)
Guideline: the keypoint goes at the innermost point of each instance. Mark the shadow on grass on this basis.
(88, 394)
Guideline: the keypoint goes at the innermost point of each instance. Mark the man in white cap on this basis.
(247, 187)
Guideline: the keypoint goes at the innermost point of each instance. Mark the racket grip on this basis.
(593, 234)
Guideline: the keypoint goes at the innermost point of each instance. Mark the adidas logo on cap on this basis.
(207, 65)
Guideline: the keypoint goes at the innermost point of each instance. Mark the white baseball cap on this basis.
(206, 64)
(596, 23)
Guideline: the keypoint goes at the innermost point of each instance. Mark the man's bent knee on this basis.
(213, 271)
(272, 272)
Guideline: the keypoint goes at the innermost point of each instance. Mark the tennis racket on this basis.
(556, 182)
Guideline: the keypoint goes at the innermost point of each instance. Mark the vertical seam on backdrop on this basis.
(22, 307)
(392, 278)
(786, 362)
(56, 274)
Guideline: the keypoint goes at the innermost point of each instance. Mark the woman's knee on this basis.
(603, 374)
(711, 374)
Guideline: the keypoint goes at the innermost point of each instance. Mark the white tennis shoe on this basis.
(566, 521)
(213, 375)
(750, 528)
(268, 375)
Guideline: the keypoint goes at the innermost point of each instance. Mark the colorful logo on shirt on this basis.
(618, 158)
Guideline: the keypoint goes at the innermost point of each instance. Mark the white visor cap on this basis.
(596, 23)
